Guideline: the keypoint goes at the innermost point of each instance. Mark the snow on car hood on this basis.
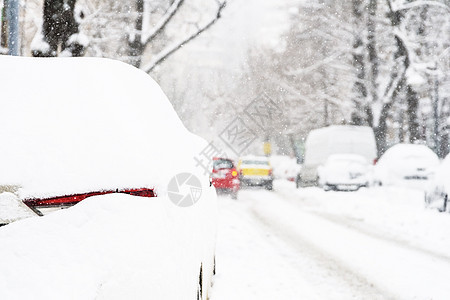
(73, 125)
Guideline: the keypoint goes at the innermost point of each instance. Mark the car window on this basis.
(222, 164)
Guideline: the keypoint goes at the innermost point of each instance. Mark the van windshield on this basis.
(255, 162)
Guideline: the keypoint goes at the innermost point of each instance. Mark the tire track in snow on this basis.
(342, 221)
(404, 272)
(355, 225)
(251, 264)
(331, 278)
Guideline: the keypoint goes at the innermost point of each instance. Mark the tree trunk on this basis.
(359, 116)
(381, 130)
(372, 50)
(59, 25)
(135, 45)
(4, 27)
(412, 105)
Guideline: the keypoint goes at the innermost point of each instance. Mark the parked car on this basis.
(344, 172)
(437, 191)
(225, 177)
(402, 164)
(323, 142)
(255, 171)
(83, 133)
(284, 167)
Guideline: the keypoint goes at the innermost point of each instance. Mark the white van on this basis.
(335, 139)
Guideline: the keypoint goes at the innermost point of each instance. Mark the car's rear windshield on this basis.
(222, 164)
(255, 162)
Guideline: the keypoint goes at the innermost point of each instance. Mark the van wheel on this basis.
(444, 207)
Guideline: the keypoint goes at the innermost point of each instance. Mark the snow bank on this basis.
(442, 176)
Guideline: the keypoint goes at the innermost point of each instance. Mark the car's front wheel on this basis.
(444, 205)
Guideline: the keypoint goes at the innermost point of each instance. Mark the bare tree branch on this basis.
(172, 49)
(173, 9)
(306, 70)
(421, 3)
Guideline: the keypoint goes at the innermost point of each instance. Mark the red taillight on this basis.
(270, 172)
(375, 161)
(73, 199)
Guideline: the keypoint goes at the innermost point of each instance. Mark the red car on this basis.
(225, 177)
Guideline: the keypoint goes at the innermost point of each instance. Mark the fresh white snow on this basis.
(378, 243)
(106, 247)
(88, 124)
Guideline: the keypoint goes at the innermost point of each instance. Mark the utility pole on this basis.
(437, 146)
(12, 15)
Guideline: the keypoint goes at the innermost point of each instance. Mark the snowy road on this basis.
(309, 244)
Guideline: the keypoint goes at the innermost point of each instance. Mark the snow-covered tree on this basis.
(140, 32)
(310, 76)
(390, 61)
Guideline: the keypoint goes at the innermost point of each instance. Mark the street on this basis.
(377, 243)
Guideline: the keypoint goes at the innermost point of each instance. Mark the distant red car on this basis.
(225, 177)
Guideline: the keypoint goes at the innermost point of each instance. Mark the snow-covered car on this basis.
(103, 132)
(405, 163)
(225, 177)
(255, 171)
(344, 172)
(438, 189)
(284, 167)
(335, 139)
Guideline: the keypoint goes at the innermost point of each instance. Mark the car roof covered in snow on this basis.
(347, 157)
(254, 157)
(400, 151)
(74, 125)
(335, 139)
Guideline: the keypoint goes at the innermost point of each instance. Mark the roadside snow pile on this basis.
(441, 179)
(76, 125)
(106, 247)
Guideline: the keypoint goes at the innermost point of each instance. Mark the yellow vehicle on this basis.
(255, 171)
